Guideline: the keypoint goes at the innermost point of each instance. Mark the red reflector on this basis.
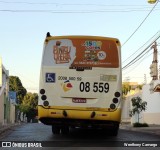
(53, 113)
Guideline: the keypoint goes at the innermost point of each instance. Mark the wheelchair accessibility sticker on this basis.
(50, 77)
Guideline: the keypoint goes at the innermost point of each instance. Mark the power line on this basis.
(158, 33)
(140, 24)
(68, 11)
(136, 59)
(69, 4)
(118, 10)
(29, 3)
(140, 55)
(138, 64)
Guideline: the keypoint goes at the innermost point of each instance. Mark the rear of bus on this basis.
(80, 83)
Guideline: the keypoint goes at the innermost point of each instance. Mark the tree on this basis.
(138, 106)
(29, 105)
(15, 84)
(125, 88)
(31, 100)
(140, 86)
(27, 101)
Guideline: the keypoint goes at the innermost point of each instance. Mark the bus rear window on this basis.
(81, 53)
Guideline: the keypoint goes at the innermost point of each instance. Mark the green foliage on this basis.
(138, 106)
(29, 105)
(15, 84)
(137, 124)
(140, 86)
(27, 101)
(30, 100)
(125, 88)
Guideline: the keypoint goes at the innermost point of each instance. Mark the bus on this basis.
(80, 83)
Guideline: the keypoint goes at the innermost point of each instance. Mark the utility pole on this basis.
(154, 65)
(159, 72)
(145, 79)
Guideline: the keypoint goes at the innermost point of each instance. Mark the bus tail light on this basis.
(115, 100)
(46, 103)
(117, 94)
(112, 106)
(42, 91)
(44, 97)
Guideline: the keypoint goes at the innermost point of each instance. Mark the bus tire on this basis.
(65, 130)
(56, 129)
(114, 131)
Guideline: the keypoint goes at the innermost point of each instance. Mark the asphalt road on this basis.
(37, 132)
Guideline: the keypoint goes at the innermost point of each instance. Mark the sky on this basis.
(24, 25)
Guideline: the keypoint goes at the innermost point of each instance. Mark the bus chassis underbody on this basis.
(63, 125)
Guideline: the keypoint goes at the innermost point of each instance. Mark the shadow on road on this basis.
(87, 134)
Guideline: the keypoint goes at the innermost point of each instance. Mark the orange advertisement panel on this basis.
(86, 53)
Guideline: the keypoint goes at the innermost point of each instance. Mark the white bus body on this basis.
(80, 83)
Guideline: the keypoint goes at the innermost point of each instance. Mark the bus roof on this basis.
(48, 38)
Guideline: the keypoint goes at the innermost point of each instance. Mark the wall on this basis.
(12, 113)
(152, 114)
(4, 100)
(13, 99)
(125, 111)
(127, 106)
(1, 105)
(1, 95)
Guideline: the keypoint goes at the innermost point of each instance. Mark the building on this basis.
(4, 88)
(151, 94)
(7, 108)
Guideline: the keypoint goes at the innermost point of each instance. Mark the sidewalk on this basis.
(4, 128)
(153, 129)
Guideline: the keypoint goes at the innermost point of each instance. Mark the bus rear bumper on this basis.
(51, 116)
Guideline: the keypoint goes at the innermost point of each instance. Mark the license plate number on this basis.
(79, 100)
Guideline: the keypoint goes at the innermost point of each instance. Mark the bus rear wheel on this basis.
(65, 130)
(114, 131)
(56, 129)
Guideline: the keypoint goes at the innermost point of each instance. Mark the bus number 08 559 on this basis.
(96, 87)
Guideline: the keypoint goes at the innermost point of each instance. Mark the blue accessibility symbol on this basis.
(50, 77)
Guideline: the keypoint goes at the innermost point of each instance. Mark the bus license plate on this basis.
(79, 100)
